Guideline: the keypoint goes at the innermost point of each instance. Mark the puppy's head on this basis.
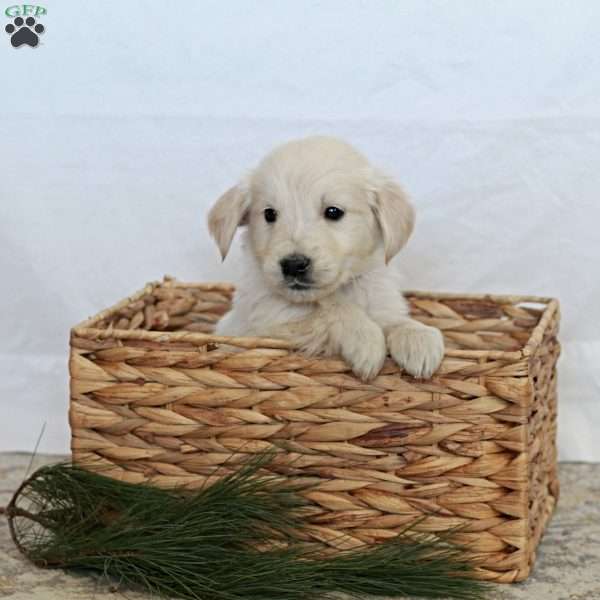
(317, 214)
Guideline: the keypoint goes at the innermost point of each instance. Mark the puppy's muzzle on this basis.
(296, 270)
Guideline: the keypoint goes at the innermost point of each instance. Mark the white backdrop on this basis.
(130, 118)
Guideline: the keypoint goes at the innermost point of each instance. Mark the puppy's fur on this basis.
(348, 301)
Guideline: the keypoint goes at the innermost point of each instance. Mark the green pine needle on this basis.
(238, 539)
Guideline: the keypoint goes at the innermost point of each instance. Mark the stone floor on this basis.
(568, 565)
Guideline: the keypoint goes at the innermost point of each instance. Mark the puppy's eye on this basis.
(270, 215)
(333, 213)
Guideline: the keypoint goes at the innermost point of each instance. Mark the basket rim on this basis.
(86, 329)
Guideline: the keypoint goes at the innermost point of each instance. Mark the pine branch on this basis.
(241, 538)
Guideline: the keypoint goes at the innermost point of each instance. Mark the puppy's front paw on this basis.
(364, 349)
(417, 348)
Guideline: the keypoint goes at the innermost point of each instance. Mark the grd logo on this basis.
(24, 30)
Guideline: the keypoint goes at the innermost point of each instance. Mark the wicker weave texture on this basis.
(155, 397)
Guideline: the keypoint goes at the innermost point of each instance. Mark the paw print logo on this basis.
(24, 32)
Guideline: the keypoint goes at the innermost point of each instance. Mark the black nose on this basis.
(295, 265)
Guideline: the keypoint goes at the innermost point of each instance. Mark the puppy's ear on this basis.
(394, 213)
(229, 212)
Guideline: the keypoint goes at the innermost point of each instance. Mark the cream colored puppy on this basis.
(321, 225)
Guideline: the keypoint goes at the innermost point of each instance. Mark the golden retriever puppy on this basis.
(321, 225)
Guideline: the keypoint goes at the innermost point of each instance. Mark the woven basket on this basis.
(155, 398)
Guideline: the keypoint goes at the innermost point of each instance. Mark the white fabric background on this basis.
(121, 128)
